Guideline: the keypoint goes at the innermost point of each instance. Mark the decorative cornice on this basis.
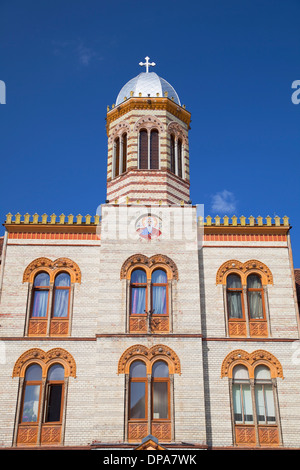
(149, 356)
(243, 270)
(45, 360)
(251, 360)
(165, 104)
(150, 263)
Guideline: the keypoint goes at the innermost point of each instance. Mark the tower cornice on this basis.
(150, 104)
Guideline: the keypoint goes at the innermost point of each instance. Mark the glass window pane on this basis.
(262, 373)
(138, 299)
(159, 277)
(40, 303)
(160, 400)
(138, 276)
(260, 405)
(42, 279)
(234, 302)
(31, 404)
(247, 402)
(137, 400)
(254, 281)
(270, 406)
(56, 372)
(234, 281)
(159, 299)
(54, 403)
(61, 303)
(255, 304)
(63, 280)
(138, 369)
(160, 369)
(240, 372)
(33, 372)
(237, 403)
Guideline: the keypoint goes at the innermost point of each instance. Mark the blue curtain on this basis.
(138, 294)
(61, 295)
(159, 293)
(40, 295)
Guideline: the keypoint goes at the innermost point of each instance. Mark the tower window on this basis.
(149, 150)
(143, 150)
(154, 153)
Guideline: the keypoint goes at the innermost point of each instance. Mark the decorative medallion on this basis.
(148, 227)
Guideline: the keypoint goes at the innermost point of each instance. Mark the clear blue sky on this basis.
(231, 62)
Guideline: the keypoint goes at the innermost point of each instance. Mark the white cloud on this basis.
(224, 202)
(84, 54)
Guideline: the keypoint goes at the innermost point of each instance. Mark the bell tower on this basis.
(148, 147)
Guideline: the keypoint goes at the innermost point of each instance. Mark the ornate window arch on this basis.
(246, 310)
(150, 282)
(43, 377)
(253, 391)
(149, 391)
(50, 296)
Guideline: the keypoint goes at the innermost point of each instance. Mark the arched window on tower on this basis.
(143, 150)
(116, 157)
(154, 150)
(179, 156)
(124, 152)
(149, 149)
(172, 153)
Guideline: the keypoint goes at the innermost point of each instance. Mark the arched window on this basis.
(172, 138)
(264, 396)
(154, 150)
(138, 391)
(149, 397)
(143, 149)
(50, 296)
(30, 408)
(62, 286)
(246, 306)
(241, 394)
(255, 297)
(160, 391)
(252, 380)
(116, 157)
(40, 299)
(149, 149)
(179, 150)
(159, 284)
(124, 151)
(138, 291)
(54, 394)
(234, 297)
(43, 394)
(150, 283)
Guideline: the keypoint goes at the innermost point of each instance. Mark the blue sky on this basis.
(231, 62)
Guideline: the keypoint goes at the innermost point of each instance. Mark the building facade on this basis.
(148, 319)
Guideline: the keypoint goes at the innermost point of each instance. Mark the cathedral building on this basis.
(148, 322)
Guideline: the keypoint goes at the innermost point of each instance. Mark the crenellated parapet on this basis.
(52, 219)
(243, 221)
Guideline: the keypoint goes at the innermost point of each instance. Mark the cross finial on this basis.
(147, 63)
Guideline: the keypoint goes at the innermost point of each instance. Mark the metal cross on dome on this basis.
(147, 63)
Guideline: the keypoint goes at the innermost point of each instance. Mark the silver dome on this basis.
(148, 84)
